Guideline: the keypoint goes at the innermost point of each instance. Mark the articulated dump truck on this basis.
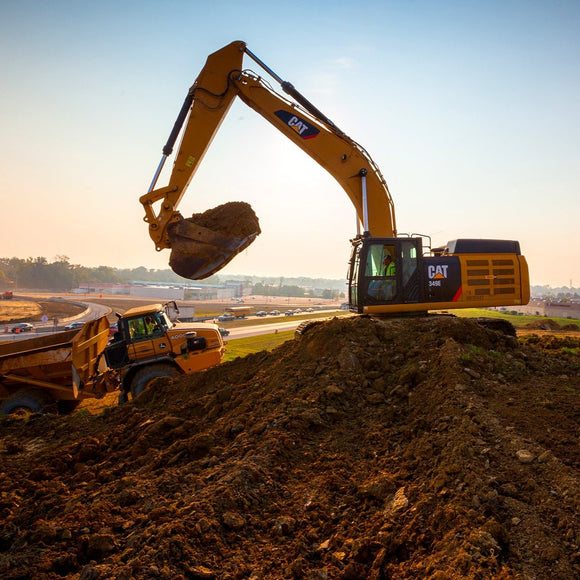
(54, 373)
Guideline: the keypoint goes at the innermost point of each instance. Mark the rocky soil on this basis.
(421, 448)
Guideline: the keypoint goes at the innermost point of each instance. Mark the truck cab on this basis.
(147, 339)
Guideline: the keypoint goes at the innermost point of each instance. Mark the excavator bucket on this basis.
(204, 243)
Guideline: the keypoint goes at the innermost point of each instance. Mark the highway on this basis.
(279, 326)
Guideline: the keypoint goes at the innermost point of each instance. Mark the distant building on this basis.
(158, 291)
(562, 309)
(173, 291)
(101, 288)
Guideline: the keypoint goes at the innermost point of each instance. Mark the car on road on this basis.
(289, 313)
(262, 313)
(22, 327)
(275, 313)
(225, 317)
(74, 325)
(223, 331)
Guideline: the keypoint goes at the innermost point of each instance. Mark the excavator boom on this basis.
(204, 243)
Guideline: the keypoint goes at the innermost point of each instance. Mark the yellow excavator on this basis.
(388, 272)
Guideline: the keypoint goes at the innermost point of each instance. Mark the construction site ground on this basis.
(33, 310)
(432, 447)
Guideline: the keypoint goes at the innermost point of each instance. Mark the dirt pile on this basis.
(550, 324)
(428, 448)
(204, 243)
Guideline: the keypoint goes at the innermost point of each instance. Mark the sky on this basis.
(469, 108)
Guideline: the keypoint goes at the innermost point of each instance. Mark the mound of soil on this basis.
(428, 448)
(547, 324)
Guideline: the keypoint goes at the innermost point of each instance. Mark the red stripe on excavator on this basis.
(457, 294)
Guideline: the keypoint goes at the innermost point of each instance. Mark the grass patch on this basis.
(241, 347)
(570, 351)
(519, 321)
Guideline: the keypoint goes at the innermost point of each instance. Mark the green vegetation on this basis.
(519, 321)
(474, 353)
(262, 289)
(38, 272)
(241, 347)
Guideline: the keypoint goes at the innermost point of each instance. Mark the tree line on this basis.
(62, 276)
(262, 289)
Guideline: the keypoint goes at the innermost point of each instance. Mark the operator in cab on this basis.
(388, 264)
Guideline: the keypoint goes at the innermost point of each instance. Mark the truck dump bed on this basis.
(64, 362)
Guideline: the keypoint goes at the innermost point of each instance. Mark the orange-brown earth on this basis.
(399, 449)
(33, 311)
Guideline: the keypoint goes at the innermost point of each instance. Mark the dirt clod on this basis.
(360, 450)
(206, 242)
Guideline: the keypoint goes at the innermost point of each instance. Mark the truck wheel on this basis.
(143, 378)
(29, 401)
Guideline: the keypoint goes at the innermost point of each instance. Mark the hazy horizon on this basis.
(231, 275)
(469, 109)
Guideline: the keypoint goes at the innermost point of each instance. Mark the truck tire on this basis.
(28, 401)
(144, 377)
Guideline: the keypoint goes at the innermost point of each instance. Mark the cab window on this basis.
(136, 328)
(380, 269)
(148, 326)
(376, 258)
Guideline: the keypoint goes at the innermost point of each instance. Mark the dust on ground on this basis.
(366, 449)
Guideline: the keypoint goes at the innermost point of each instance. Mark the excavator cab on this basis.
(385, 271)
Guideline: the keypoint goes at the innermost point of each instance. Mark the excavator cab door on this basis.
(385, 271)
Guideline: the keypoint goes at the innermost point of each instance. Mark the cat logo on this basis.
(297, 124)
(437, 272)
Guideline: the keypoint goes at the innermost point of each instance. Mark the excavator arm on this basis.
(203, 244)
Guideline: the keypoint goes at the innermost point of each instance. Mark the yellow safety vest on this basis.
(390, 269)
